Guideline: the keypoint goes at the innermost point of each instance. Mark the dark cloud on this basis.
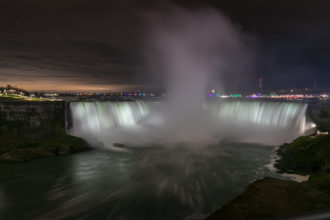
(102, 42)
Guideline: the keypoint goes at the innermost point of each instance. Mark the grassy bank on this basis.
(16, 97)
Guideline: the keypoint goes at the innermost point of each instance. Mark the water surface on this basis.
(178, 182)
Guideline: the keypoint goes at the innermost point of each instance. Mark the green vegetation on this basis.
(20, 147)
(19, 142)
(12, 89)
(305, 155)
(21, 97)
(272, 197)
(319, 113)
(12, 93)
(320, 182)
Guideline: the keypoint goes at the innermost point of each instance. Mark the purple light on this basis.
(253, 96)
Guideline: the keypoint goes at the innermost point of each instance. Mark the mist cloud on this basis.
(196, 49)
(191, 52)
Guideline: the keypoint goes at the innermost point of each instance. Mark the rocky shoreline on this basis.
(271, 197)
(31, 130)
(21, 149)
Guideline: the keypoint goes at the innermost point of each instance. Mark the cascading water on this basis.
(183, 181)
(97, 116)
(267, 114)
(144, 123)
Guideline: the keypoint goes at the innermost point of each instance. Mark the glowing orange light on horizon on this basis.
(65, 86)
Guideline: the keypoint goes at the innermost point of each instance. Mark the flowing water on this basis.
(180, 182)
(153, 123)
(151, 177)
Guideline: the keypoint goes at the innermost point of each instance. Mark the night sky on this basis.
(99, 44)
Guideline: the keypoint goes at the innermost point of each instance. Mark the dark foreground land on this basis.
(19, 147)
(270, 197)
(30, 130)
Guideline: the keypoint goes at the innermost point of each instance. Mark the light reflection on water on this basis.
(147, 183)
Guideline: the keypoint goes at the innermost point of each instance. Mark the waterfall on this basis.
(265, 114)
(97, 116)
(133, 121)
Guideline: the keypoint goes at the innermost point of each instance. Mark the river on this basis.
(177, 182)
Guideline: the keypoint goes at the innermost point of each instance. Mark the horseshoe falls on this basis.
(146, 122)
